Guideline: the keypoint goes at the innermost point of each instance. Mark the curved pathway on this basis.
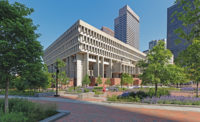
(83, 111)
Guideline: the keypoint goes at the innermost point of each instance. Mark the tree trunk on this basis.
(6, 110)
(197, 90)
(156, 89)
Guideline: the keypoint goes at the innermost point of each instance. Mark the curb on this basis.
(56, 116)
(135, 103)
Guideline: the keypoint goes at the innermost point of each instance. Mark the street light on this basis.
(57, 71)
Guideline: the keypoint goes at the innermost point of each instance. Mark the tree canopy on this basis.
(155, 64)
(190, 59)
(189, 16)
(20, 52)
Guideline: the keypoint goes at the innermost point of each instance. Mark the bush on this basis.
(70, 89)
(112, 98)
(32, 111)
(98, 88)
(98, 92)
(86, 90)
(13, 117)
(122, 89)
(160, 92)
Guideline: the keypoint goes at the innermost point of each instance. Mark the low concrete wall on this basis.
(86, 95)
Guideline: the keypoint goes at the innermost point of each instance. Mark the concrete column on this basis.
(102, 67)
(71, 68)
(124, 69)
(110, 67)
(96, 67)
(79, 69)
(67, 66)
(132, 70)
(86, 64)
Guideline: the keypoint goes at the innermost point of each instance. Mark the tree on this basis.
(35, 76)
(190, 19)
(62, 76)
(175, 74)
(108, 82)
(154, 66)
(190, 59)
(86, 80)
(126, 79)
(19, 47)
(99, 80)
(50, 78)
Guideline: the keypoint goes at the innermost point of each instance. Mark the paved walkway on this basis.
(82, 111)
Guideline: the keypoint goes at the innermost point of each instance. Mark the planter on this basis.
(56, 116)
(46, 94)
(85, 95)
(100, 95)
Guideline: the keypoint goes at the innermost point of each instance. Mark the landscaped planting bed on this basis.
(137, 96)
(21, 110)
(163, 97)
(181, 100)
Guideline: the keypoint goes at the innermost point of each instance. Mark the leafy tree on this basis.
(99, 80)
(175, 75)
(35, 77)
(50, 78)
(126, 79)
(86, 80)
(154, 66)
(19, 48)
(108, 82)
(62, 76)
(190, 18)
(190, 59)
(20, 83)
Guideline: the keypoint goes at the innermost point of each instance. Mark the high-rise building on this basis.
(172, 24)
(155, 42)
(108, 31)
(127, 26)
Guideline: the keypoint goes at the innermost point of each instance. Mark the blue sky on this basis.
(56, 16)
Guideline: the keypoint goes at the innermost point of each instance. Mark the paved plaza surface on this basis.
(83, 111)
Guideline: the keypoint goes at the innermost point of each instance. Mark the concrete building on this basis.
(88, 50)
(127, 26)
(108, 31)
(171, 27)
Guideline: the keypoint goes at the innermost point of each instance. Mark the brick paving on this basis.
(83, 111)
(104, 113)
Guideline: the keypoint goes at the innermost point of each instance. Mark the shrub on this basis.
(13, 117)
(32, 111)
(86, 90)
(98, 92)
(98, 88)
(94, 90)
(160, 92)
(112, 98)
(122, 89)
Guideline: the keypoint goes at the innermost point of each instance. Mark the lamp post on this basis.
(57, 71)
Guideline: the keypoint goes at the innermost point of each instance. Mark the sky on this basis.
(54, 17)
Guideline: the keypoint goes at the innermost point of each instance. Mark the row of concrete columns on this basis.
(80, 67)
